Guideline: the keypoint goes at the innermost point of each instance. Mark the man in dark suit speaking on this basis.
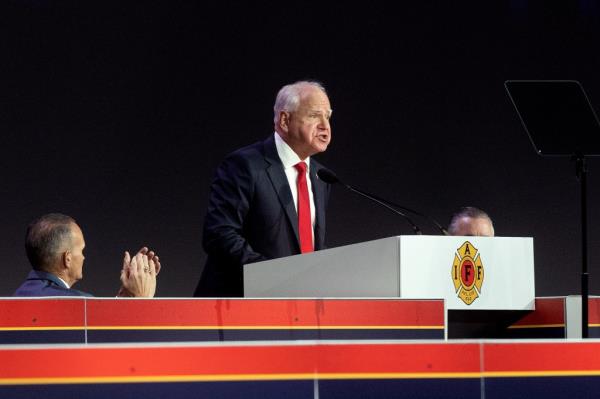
(266, 201)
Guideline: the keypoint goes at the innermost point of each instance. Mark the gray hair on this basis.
(46, 238)
(469, 212)
(288, 97)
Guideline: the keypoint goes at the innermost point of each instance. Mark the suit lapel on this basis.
(280, 184)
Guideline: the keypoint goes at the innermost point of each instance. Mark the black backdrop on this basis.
(118, 114)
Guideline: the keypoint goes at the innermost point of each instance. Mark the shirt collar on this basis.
(64, 282)
(287, 156)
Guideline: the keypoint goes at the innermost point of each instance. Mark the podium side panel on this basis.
(368, 269)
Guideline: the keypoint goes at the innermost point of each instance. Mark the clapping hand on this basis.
(138, 275)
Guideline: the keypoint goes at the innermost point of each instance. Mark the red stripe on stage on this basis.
(132, 362)
(548, 311)
(526, 357)
(42, 313)
(375, 360)
(242, 360)
(594, 311)
(400, 358)
(265, 312)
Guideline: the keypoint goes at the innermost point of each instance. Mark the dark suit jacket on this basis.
(40, 283)
(252, 217)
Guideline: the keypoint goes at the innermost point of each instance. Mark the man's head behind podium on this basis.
(471, 221)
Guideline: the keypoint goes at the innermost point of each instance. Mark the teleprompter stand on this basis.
(560, 121)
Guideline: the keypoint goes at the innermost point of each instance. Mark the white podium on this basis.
(484, 273)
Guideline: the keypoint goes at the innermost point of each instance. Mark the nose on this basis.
(323, 123)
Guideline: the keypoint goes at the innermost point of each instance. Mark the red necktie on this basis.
(304, 220)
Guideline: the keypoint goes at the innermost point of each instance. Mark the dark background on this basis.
(118, 114)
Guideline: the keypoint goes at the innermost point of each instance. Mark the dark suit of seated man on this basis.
(54, 244)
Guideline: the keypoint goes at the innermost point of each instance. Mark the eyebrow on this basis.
(313, 111)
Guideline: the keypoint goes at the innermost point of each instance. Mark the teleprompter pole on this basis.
(581, 171)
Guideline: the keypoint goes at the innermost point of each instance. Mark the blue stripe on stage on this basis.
(451, 388)
(542, 387)
(99, 336)
(594, 332)
(212, 390)
(42, 337)
(454, 388)
(112, 336)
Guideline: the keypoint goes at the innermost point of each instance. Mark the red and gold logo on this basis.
(467, 273)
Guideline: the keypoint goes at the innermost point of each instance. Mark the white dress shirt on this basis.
(64, 282)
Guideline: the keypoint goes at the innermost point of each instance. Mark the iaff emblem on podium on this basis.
(467, 273)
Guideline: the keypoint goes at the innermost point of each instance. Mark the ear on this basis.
(284, 121)
(67, 259)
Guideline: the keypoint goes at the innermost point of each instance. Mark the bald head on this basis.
(471, 221)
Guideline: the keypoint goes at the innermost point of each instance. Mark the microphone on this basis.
(328, 176)
(404, 208)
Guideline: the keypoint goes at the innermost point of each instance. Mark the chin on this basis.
(320, 148)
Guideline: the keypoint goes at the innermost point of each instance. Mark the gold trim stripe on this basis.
(537, 326)
(291, 376)
(224, 328)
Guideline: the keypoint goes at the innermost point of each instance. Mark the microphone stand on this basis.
(433, 221)
(329, 177)
(383, 203)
